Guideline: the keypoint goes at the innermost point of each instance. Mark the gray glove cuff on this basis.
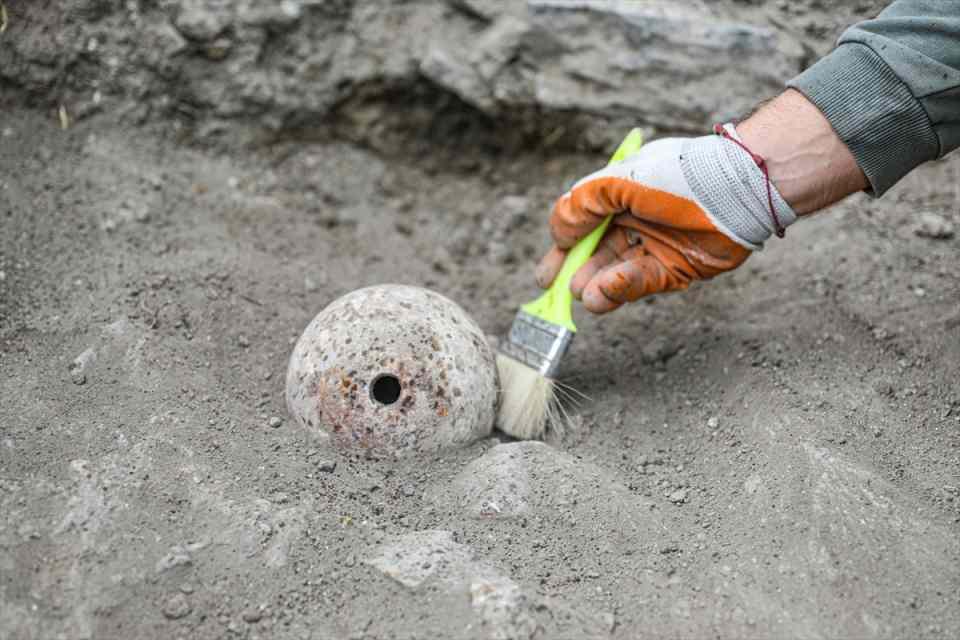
(732, 189)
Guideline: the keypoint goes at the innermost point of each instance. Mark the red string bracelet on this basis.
(762, 164)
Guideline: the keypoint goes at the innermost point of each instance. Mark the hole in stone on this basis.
(385, 388)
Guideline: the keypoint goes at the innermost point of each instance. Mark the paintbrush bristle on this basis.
(527, 400)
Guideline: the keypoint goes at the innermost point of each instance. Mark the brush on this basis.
(541, 333)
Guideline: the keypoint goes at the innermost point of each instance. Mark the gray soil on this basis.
(772, 454)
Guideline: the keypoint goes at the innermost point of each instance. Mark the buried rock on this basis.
(394, 369)
(934, 226)
(472, 596)
(532, 481)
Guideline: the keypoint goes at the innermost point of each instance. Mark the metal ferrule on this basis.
(537, 343)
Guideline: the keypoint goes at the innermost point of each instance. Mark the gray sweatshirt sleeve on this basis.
(891, 88)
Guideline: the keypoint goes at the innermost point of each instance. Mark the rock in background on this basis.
(380, 72)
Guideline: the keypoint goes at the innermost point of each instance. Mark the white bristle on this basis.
(527, 400)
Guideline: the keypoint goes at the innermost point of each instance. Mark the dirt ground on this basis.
(773, 454)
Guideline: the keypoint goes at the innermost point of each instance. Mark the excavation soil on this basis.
(771, 454)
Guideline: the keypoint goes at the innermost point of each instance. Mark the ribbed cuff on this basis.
(872, 110)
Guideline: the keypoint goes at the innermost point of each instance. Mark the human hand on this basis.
(687, 209)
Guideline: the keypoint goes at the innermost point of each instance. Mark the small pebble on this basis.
(408, 490)
(883, 388)
(659, 349)
(713, 422)
(934, 226)
(678, 497)
(243, 341)
(176, 607)
(275, 422)
(327, 466)
(251, 616)
(609, 620)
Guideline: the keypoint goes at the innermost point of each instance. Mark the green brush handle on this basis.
(556, 303)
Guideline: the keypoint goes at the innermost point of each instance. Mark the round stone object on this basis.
(395, 369)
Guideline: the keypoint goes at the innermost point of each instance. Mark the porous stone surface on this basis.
(396, 369)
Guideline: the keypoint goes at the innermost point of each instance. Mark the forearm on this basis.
(884, 101)
(809, 164)
(891, 88)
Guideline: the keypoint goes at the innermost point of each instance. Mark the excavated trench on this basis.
(774, 454)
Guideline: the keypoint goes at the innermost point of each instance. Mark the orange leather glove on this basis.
(688, 209)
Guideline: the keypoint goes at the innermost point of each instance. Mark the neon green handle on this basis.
(556, 303)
